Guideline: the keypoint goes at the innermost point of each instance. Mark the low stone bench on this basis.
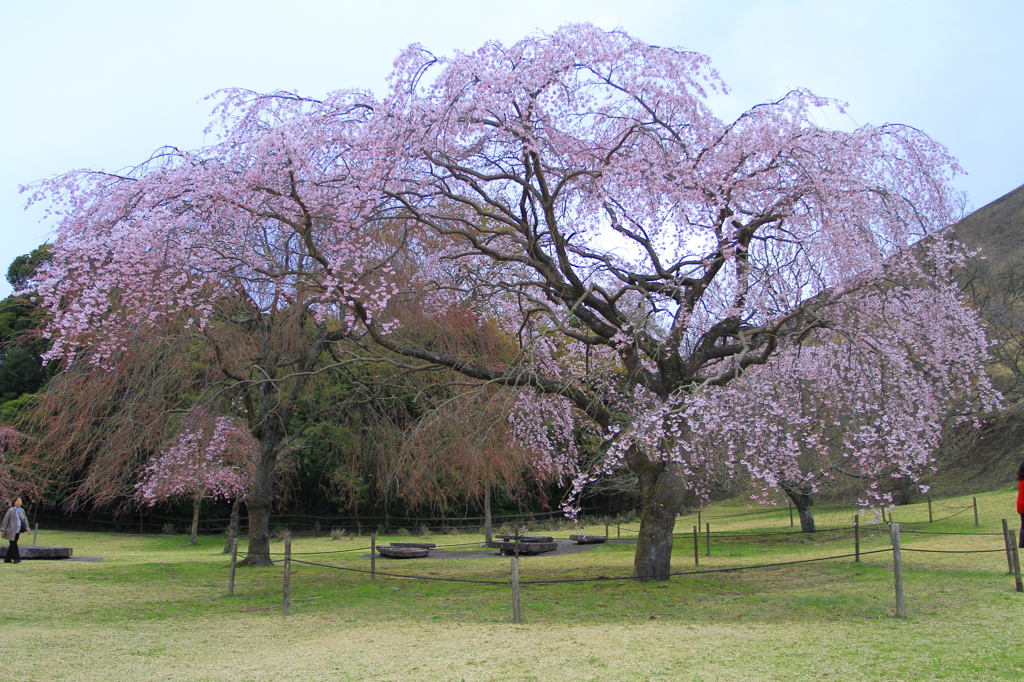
(527, 538)
(417, 545)
(588, 539)
(39, 552)
(509, 548)
(403, 552)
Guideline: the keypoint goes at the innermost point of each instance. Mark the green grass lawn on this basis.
(157, 609)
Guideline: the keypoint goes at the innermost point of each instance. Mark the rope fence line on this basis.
(406, 576)
(937, 520)
(683, 536)
(952, 551)
(357, 549)
(946, 506)
(687, 537)
(1009, 538)
(587, 580)
(940, 532)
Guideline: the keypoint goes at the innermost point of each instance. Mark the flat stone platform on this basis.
(588, 539)
(417, 545)
(526, 538)
(39, 552)
(403, 552)
(509, 548)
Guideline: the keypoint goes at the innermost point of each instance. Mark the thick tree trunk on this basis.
(905, 490)
(233, 525)
(270, 418)
(803, 499)
(662, 491)
(260, 499)
(193, 538)
(488, 526)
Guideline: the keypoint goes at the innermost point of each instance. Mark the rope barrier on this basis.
(946, 506)
(937, 520)
(771, 533)
(940, 532)
(406, 577)
(952, 551)
(329, 551)
(588, 580)
(775, 510)
(357, 549)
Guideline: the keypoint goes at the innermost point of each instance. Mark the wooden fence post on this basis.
(790, 512)
(707, 537)
(929, 509)
(234, 562)
(696, 548)
(618, 531)
(1016, 561)
(606, 536)
(517, 614)
(1009, 552)
(883, 514)
(897, 569)
(856, 538)
(287, 575)
(698, 518)
(975, 512)
(373, 555)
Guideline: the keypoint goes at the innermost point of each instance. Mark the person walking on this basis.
(14, 524)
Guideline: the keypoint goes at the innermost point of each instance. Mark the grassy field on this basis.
(156, 609)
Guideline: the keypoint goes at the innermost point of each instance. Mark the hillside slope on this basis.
(975, 460)
(997, 229)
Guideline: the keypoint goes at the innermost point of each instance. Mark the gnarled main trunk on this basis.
(662, 491)
(270, 420)
(803, 498)
(259, 500)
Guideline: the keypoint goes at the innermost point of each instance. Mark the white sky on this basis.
(103, 83)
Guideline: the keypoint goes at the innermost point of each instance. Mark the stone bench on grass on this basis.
(588, 539)
(509, 548)
(527, 538)
(393, 552)
(39, 552)
(417, 545)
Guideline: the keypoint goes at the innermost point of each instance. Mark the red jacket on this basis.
(1020, 497)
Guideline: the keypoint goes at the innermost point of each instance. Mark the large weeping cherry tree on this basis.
(573, 190)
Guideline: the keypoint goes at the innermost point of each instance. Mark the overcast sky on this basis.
(103, 83)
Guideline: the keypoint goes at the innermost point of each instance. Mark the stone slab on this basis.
(588, 539)
(527, 538)
(403, 552)
(39, 552)
(509, 548)
(417, 545)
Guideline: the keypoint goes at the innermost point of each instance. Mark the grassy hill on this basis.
(987, 458)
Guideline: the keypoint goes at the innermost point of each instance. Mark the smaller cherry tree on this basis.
(209, 458)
